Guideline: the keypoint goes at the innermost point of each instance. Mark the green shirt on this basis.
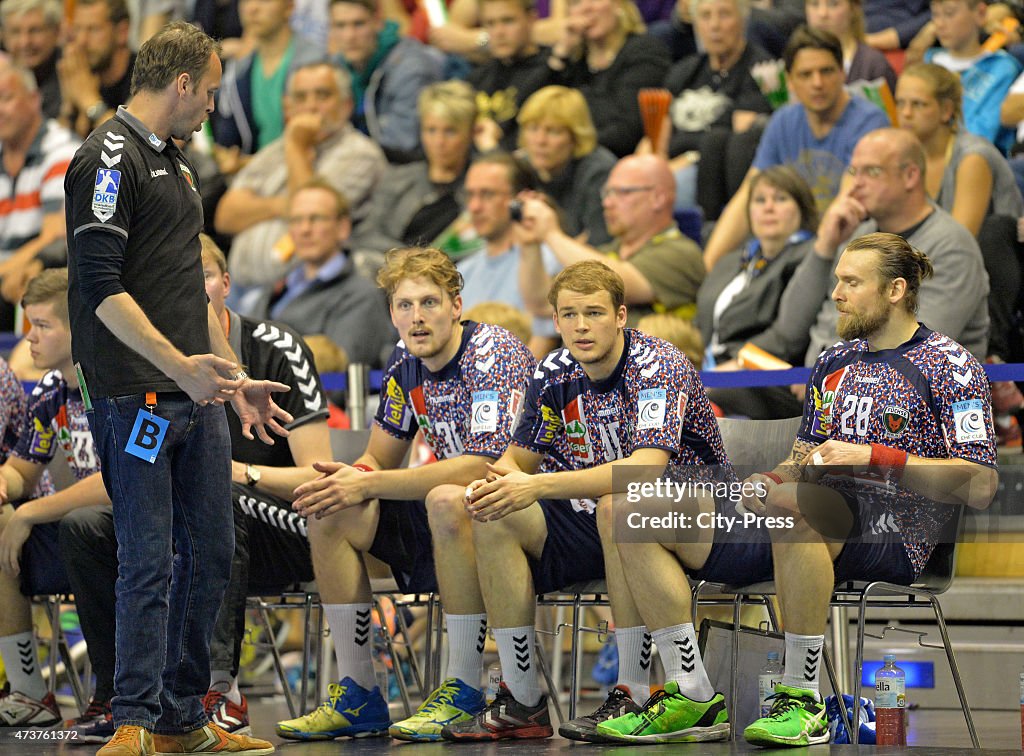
(267, 93)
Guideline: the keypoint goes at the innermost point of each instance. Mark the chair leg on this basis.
(833, 680)
(396, 663)
(552, 691)
(734, 666)
(414, 664)
(940, 619)
(261, 610)
(858, 665)
(574, 656)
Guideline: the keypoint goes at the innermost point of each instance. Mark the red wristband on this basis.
(777, 478)
(364, 468)
(890, 461)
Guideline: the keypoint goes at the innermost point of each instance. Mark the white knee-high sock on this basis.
(352, 630)
(803, 661)
(467, 634)
(516, 649)
(21, 660)
(634, 645)
(677, 647)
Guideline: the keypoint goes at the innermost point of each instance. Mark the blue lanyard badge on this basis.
(147, 436)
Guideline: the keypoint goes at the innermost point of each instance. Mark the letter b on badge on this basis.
(147, 436)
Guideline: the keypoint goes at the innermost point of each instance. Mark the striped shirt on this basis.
(37, 190)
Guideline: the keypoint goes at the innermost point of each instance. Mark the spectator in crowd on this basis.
(29, 554)
(986, 76)
(845, 19)
(35, 151)
(96, 65)
(605, 53)
(324, 293)
(816, 134)
(768, 26)
(250, 108)
(661, 267)
(318, 140)
(739, 300)
(719, 108)
(515, 68)
(891, 26)
(271, 549)
(31, 35)
(559, 141)
(904, 457)
(967, 176)
(415, 203)
(495, 273)
(388, 73)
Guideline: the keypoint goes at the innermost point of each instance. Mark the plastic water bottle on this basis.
(493, 681)
(890, 704)
(1022, 711)
(770, 676)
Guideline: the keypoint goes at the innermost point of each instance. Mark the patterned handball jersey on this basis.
(653, 399)
(56, 418)
(470, 406)
(929, 397)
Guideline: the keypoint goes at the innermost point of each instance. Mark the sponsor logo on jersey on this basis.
(104, 195)
(395, 406)
(550, 423)
(895, 420)
(969, 420)
(42, 439)
(158, 172)
(651, 408)
(576, 431)
(484, 413)
(420, 408)
(821, 422)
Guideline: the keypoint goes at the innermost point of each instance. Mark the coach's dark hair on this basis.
(897, 259)
(176, 49)
(806, 38)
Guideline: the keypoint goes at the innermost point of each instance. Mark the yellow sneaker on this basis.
(211, 739)
(129, 740)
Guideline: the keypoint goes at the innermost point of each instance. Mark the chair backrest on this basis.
(757, 445)
(938, 572)
(348, 445)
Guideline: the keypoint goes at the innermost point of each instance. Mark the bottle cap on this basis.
(889, 658)
(773, 655)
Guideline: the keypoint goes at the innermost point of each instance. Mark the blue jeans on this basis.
(175, 539)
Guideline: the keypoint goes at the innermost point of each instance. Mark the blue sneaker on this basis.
(453, 702)
(606, 669)
(350, 711)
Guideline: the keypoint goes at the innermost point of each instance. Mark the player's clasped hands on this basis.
(339, 487)
(501, 493)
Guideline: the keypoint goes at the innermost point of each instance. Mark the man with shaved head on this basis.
(662, 269)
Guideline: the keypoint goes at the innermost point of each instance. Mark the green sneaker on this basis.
(797, 718)
(670, 717)
(453, 702)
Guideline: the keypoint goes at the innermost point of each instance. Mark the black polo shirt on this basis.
(134, 214)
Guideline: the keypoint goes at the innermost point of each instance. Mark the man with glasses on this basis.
(887, 193)
(324, 293)
(662, 268)
(493, 273)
